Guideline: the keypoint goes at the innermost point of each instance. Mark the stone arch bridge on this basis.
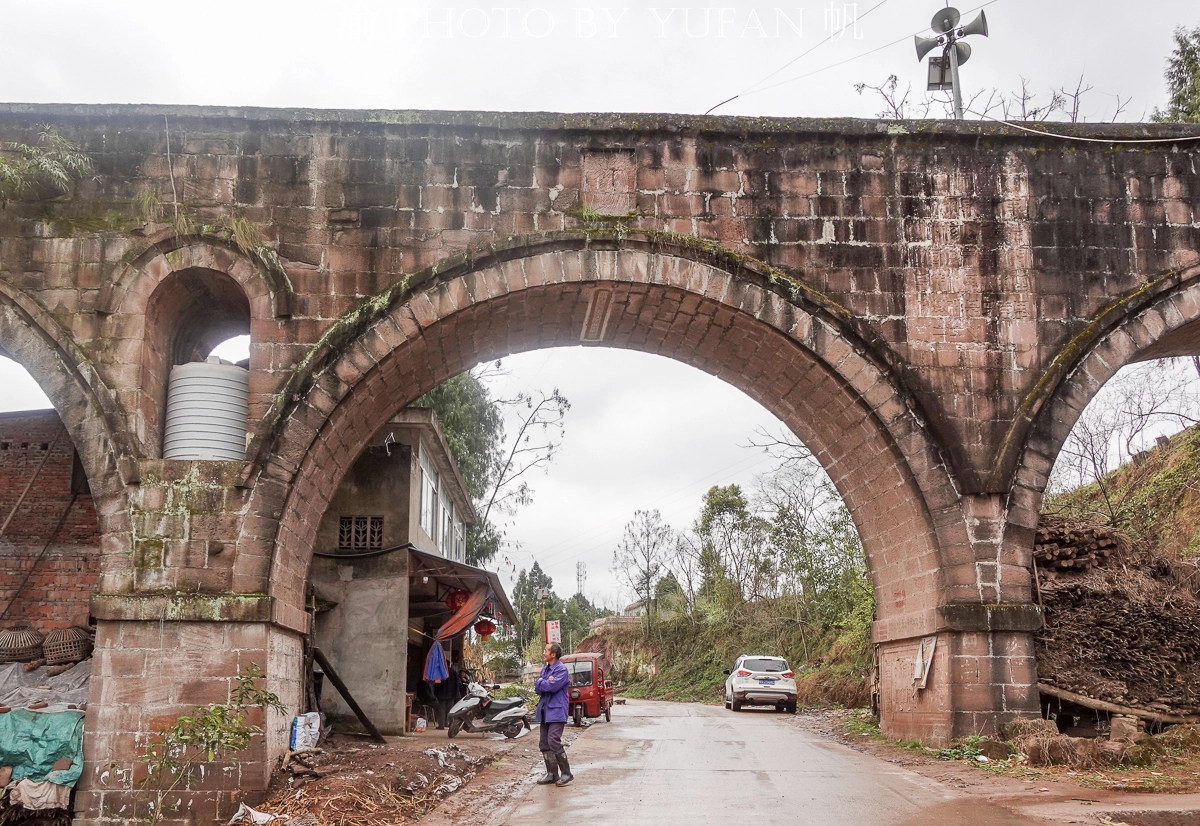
(928, 305)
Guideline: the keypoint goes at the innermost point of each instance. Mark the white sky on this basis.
(643, 431)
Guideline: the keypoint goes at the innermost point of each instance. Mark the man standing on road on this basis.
(552, 686)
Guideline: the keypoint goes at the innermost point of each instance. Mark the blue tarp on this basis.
(32, 742)
(435, 664)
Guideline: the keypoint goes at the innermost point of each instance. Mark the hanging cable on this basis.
(1083, 138)
(750, 89)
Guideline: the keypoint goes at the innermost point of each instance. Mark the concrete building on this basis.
(390, 549)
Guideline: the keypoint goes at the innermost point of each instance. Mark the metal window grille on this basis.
(360, 533)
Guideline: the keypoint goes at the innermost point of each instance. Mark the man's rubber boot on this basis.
(564, 770)
(551, 769)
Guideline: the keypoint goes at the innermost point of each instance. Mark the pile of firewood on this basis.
(1122, 624)
(1074, 547)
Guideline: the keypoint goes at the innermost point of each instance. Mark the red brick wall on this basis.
(56, 587)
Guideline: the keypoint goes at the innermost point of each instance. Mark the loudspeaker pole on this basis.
(956, 87)
(954, 52)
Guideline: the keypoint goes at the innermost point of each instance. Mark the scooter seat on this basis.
(504, 705)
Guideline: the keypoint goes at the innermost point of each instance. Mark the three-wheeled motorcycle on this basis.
(591, 694)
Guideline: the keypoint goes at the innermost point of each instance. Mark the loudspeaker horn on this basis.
(945, 20)
(976, 26)
(925, 45)
(964, 52)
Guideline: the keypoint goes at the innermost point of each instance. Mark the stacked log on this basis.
(1068, 547)
(1122, 624)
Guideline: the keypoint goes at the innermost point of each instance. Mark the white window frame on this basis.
(429, 514)
(446, 523)
(460, 540)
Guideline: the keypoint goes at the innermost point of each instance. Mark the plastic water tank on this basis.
(207, 405)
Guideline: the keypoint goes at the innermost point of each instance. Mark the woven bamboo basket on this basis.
(20, 644)
(67, 645)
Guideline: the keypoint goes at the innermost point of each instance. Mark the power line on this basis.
(750, 89)
(1083, 138)
(904, 39)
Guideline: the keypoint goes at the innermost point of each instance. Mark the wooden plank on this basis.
(1113, 708)
(345, 692)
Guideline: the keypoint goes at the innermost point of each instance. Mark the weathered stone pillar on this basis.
(983, 671)
(160, 657)
(172, 635)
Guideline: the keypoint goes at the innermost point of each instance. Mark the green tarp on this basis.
(32, 743)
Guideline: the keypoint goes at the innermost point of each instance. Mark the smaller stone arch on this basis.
(1158, 320)
(145, 318)
(269, 291)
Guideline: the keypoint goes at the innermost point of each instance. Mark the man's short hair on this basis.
(556, 650)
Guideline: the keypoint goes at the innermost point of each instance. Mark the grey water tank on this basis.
(207, 405)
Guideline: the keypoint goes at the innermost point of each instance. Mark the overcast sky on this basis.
(642, 431)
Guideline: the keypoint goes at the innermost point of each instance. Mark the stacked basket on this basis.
(67, 645)
(20, 644)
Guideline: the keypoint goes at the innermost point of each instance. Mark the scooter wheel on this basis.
(578, 716)
(512, 731)
(454, 729)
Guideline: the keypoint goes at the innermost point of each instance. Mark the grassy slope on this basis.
(689, 655)
(1155, 499)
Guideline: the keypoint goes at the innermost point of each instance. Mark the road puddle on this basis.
(974, 812)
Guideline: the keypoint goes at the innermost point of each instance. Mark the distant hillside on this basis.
(1155, 499)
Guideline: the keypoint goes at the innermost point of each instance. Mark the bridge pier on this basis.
(978, 680)
(147, 671)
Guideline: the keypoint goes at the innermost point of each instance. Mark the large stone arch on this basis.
(789, 348)
(89, 412)
(1158, 320)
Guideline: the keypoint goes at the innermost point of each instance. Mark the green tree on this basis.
(525, 600)
(1183, 79)
(49, 165)
(737, 559)
(640, 559)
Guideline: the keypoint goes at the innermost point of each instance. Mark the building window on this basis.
(429, 499)
(360, 533)
(446, 532)
(460, 541)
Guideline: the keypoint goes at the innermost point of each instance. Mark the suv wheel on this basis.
(736, 706)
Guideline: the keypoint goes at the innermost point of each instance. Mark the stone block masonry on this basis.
(929, 306)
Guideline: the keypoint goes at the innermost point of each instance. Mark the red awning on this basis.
(464, 616)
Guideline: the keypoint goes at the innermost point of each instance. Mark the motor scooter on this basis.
(479, 712)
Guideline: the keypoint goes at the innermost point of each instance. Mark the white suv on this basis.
(760, 681)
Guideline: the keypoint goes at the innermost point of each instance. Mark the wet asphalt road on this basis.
(672, 763)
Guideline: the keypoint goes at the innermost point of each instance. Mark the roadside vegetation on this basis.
(779, 570)
(1121, 469)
